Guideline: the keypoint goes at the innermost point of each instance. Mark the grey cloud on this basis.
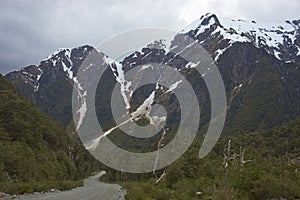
(30, 30)
(263, 11)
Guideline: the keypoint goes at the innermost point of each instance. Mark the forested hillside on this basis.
(36, 152)
(258, 165)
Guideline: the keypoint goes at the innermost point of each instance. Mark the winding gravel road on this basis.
(93, 189)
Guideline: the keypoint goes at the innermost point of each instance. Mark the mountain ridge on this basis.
(275, 37)
(245, 66)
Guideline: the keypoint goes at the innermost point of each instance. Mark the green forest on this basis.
(256, 165)
(37, 154)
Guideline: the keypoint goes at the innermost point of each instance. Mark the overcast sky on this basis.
(32, 29)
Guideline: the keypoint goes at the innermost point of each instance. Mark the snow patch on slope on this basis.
(173, 86)
(37, 84)
(57, 52)
(117, 68)
(68, 70)
(161, 44)
(192, 65)
(298, 48)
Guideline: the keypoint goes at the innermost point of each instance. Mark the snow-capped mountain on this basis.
(49, 83)
(279, 39)
(67, 60)
(259, 64)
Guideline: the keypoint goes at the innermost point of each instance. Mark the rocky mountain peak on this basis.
(62, 60)
(279, 39)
